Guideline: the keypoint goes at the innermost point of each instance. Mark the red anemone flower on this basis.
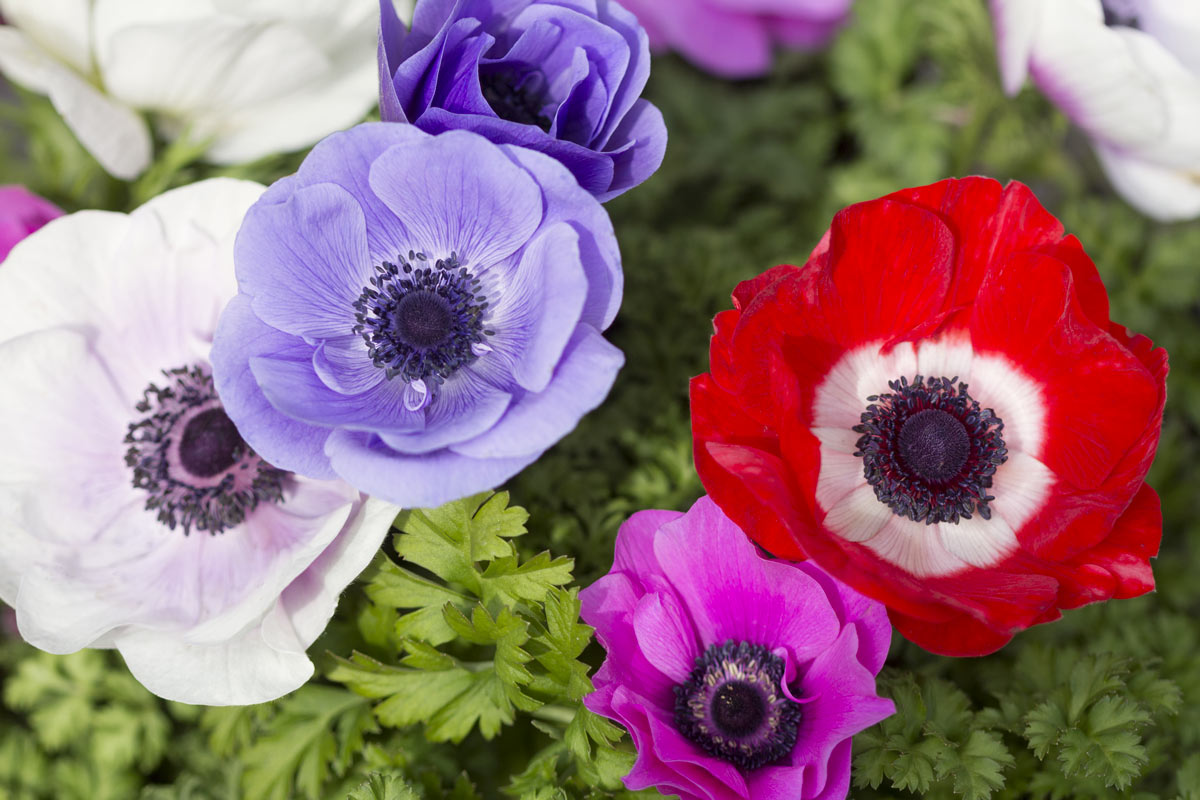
(938, 411)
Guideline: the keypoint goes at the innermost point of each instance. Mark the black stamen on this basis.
(421, 322)
(733, 706)
(930, 451)
(517, 95)
(188, 456)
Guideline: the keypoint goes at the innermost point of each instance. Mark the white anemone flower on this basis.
(1128, 73)
(250, 77)
(132, 514)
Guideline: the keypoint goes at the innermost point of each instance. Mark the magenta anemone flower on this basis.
(132, 513)
(737, 676)
(21, 213)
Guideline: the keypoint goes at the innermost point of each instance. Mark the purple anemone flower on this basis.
(738, 677)
(419, 315)
(132, 513)
(735, 38)
(563, 77)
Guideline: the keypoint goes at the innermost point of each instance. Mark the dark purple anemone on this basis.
(563, 77)
(418, 315)
(739, 678)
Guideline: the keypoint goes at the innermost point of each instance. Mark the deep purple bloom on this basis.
(418, 315)
(21, 213)
(735, 38)
(563, 77)
(738, 677)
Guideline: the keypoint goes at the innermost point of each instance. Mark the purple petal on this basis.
(305, 261)
(345, 159)
(666, 636)
(734, 593)
(462, 408)
(644, 128)
(454, 195)
(344, 365)
(536, 421)
(422, 481)
(294, 388)
(598, 249)
(285, 442)
(391, 39)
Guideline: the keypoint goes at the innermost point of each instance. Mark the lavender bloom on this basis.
(21, 213)
(734, 38)
(418, 315)
(738, 677)
(132, 514)
(563, 77)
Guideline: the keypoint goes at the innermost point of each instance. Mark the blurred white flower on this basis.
(132, 513)
(1128, 73)
(252, 77)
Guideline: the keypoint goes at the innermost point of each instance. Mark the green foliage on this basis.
(481, 635)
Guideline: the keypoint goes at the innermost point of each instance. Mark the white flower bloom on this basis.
(1128, 73)
(213, 594)
(253, 77)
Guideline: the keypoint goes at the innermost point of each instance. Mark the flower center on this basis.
(189, 457)
(516, 94)
(422, 322)
(930, 451)
(733, 706)
(1120, 12)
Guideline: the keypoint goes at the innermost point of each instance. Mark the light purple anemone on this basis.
(563, 77)
(739, 678)
(735, 38)
(418, 315)
(21, 213)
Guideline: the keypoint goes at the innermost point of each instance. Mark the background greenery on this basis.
(458, 674)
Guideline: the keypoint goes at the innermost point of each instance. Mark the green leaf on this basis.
(384, 786)
(316, 733)
(509, 580)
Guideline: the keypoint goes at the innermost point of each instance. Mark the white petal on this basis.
(858, 516)
(1016, 29)
(112, 132)
(946, 357)
(312, 597)
(1165, 193)
(842, 396)
(1176, 25)
(1093, 75)
(241, 671)
(60, 27)
(998, 384)
(916, 548)
(841, 470)
(1021, 485)
(979, 542)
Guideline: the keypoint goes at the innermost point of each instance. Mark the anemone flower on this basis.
(563, 77)
(21, 213)
(738, 677)
(132, 513)
(1128, 73)
(418, 315)
(736, 38)
(937, 409)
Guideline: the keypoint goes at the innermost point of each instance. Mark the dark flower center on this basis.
(422, 322)
(189, 457)
(516, 94)
(930, 451)
(210, 443)
(733, 706)
(1120, 13)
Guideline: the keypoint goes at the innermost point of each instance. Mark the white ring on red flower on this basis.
(1020, 485)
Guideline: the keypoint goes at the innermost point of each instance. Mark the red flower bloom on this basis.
(937, 409)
